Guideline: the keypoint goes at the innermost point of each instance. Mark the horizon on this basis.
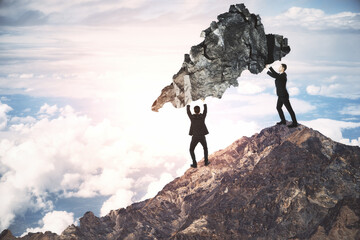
(78, 80)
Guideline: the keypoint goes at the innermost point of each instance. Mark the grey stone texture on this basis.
(236, 42)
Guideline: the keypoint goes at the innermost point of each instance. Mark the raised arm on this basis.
(188, 111)
(205, 110)
(273, 73)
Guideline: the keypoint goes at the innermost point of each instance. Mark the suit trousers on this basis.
(194, 141)
(285, 101)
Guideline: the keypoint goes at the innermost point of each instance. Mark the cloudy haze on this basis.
(78, 78)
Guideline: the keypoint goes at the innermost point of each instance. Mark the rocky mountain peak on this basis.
(280, 183)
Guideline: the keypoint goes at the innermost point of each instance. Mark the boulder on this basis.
(236, 42)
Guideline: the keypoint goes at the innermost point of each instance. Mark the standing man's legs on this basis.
(204, 144)
(194, 142)
(290, 110)
(280, 111)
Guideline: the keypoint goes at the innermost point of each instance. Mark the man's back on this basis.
(197, 127)
(198, 131)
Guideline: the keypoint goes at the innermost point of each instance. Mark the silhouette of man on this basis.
(198, 131)
(283, 95)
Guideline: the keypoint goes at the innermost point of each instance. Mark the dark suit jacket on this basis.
(280, 82)
(197, 127)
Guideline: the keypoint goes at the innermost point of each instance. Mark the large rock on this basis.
(279, 184)
(234, 43)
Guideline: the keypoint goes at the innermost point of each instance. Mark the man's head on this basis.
(197, 109)
(282, 68)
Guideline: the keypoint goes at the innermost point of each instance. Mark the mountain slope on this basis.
(279, 184)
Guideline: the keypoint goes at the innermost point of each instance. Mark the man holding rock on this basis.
(198, 130)
(283, 95)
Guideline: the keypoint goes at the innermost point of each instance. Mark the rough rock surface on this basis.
(278, 184)
(236, 42)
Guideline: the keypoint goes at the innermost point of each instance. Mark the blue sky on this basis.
(78, 78)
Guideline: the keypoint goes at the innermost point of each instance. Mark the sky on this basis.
(78, 78)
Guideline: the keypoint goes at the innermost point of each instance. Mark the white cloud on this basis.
(90, 12)
(71, 181)
(56, 222)
(16, 201)
(351, 110)
(226, 132)
(333, 129)
(335, 90)
(155, 186)
(317, 19)
(309, 13)
(97, 63)
(11, 206)
(66, 111)
(106, 183)
(324, 90)
(332, 79)
(22, 120)
(180, 171)
(47, 109)
(246, 87)
(122, 198)
(301, 106)
(352, 142)
(248, 106)
(254, 84)
(313, 90)
(26, 75)
(293, 91)
(58, 12)
(70, 154)
(4, 109)
(260, 105)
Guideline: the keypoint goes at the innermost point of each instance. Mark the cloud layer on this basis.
(55, 221)
(333, 129)
(65, 153)
(318, 20)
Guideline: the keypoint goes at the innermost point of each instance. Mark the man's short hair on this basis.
(284, 66)
(197, 109)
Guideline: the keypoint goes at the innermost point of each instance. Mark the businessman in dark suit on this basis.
(198, 130)
(283, 95)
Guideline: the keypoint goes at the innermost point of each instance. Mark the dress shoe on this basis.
(293, 125)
